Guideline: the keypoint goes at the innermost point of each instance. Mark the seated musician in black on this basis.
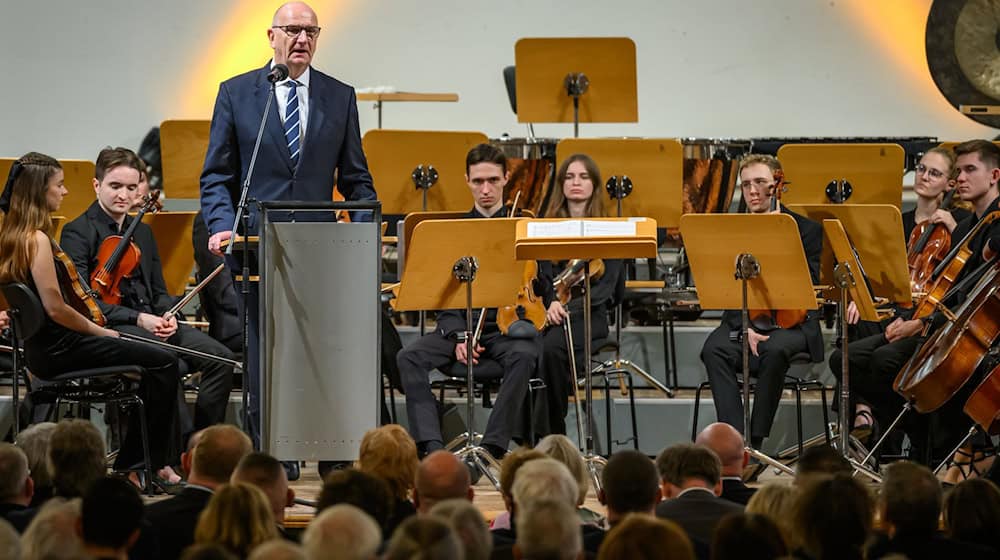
(145, 301)
(486, 175)
(771, 350)
(579, 196)
(69, 341)
(876, 360)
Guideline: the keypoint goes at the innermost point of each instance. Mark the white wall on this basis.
(78, 75)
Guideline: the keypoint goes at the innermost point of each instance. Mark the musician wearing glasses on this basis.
(771, 346)
(144, 305)
(312, 141)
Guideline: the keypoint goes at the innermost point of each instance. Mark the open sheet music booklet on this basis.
(582, 228)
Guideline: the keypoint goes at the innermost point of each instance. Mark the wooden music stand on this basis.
(874, 172)
(545, 66)
(655, 167)
(771, 272)
(592, 238)
(876, 232)
(381, 98)
(393, 157)
(172, 231)
(183, 145)
(79, 181)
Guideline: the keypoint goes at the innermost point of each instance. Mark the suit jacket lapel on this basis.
(316, 112)
(274, 126)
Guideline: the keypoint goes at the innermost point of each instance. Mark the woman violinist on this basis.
(578, 196)
(69, 340)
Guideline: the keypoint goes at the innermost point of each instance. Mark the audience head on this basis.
(278, 549)
(747, 536)
(425, 537)
(207, 551)
(511, 463)
(686, 465)
(217, 451)
(560, 448)
(10, 541)
(833, 516)
(367, 492)
(441, 476)
(641, 536)
(76, 457)
(16, 486)
(629, 483)
(238, 517)
(265, 472)
(34, 441)
(972, 512)
(910, 499)
(342, 532)
(777, 502)
(821, 460)
(53, 533)
(544, 479)
(389, 453)
(111, 515)
(728, 444)
(469, 526)
(548, 529)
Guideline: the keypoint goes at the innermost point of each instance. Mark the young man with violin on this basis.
(771, 347)
(875, 361)
(486, 175)
(144, 303)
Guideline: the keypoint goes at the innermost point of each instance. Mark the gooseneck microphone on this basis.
(278, 73)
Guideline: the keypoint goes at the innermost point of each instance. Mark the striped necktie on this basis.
(292, 128)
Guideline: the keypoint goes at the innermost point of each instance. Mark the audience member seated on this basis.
(427, 538)
(76, 460)
(560, 448)
(207, 552)
(389, 453)
(34, 441)
(10, 541)
(53, 532)
(629, 484)
(278, 549)
(550, 530)
(640, 536)
(366, 492)
(972, 513)
(832, 519)
(690, 480)
(468, 524)
(909, 505)
(111, 518)
(728, 444)
(441, 476)
(212, 455)
(238, 517)
(823, 461)
(776, 502)
(747, 536)
(508, 469)
(265, 472)
(16, 486)
(342, 532)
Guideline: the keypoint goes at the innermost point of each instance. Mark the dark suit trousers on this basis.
(723, 359)
(433, 351)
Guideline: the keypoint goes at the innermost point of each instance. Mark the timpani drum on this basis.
(710, 173)
(532, 163)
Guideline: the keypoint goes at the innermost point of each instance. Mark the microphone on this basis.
(278, 73)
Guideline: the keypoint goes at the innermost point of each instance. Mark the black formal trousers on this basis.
(723, 359)
(518, 357)
(158, 388)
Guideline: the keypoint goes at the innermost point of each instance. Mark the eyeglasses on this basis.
(759, 184)
(935, 173)
(293, 30)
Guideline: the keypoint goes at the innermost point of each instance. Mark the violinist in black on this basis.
(576, 198)
(486, 175)
(145, 300)
(770, 351)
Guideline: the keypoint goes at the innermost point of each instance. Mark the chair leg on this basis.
(697, 406)
(798, 413)
(145, 445)
(826, 413)
(635, 423)
(607, 413)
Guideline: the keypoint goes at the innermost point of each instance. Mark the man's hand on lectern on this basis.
(215, 242)
(754, 339)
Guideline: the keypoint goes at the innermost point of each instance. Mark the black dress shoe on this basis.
(291, 470)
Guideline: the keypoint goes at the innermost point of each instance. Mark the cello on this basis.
(118, 256)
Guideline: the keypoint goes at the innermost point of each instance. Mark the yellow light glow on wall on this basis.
(237, 45)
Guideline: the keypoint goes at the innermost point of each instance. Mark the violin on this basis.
(927, 247)
(73, 289)
(118, 256)
(527, 306)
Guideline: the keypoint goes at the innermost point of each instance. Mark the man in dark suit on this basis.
(690, 481)
(312, 141)
(728, 444)
(210, 460)
(771, 347)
